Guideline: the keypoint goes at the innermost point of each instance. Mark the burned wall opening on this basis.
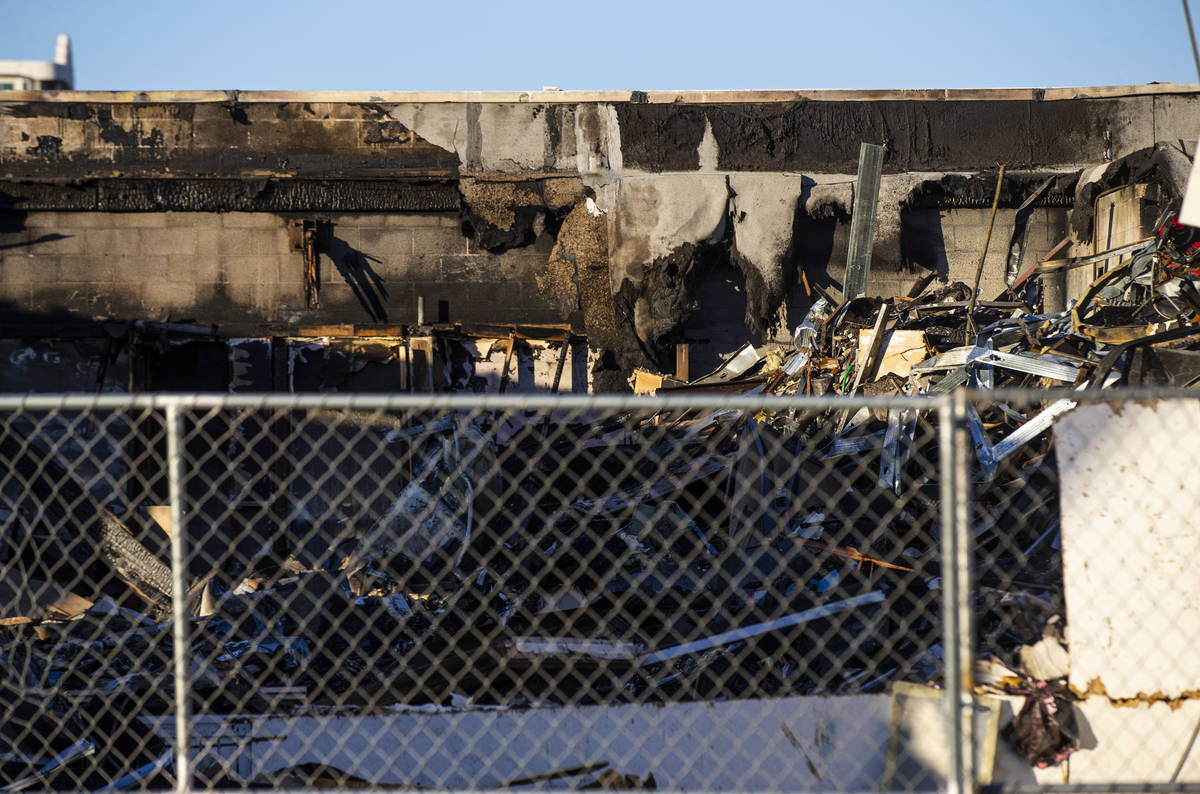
(718, 327)
(665, 297)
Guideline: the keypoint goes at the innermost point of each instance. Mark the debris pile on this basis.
(1137, 324)
(499, 560)
(503, 559)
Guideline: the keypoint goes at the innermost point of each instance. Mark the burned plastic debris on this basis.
(1044, 732)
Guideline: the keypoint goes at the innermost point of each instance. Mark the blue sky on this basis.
(617, 44)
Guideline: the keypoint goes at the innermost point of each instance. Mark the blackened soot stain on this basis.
(48, 146)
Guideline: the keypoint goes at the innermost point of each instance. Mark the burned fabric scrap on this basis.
(1044, 732)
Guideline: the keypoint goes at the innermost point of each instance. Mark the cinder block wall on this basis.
(949, 242)
(232, 267)
(964, 231)
(236, 267)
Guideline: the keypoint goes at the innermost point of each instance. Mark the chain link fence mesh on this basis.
(87, 590)
(700, 594)
(1084, 589)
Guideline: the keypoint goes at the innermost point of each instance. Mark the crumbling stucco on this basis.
(578, 242)
(661, 299)
(831, 199)
(577, 280)
(507, 214)
(599, 160)
(660, 222)
(655, 215)
(492, 137)
(893, 194)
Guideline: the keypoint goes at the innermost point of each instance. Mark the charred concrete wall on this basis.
(236, 267)
(641, 219)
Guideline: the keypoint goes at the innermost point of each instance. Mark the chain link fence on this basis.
(701, 593)
(1083, 586)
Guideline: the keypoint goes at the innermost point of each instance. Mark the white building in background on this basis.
(40, 75)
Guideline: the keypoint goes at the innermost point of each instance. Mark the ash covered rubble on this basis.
(1136, 324)
(514, 561)
(595, 564)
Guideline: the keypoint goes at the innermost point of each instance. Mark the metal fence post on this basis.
(179, 597)
(953, 444)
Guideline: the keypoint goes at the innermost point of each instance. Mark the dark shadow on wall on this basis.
(719, 327)
(356, 270)
(17, 319)
(814, 250)
(12, 222)
(922, 244)
(45, 238)
(813, 239)
(579, 368)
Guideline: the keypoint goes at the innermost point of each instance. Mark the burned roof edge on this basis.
(633, 96)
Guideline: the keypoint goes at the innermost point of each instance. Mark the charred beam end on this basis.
(975, 191)
(147, 575)
(66, 501)
(232, 195)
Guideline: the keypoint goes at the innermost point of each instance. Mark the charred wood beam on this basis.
(67, 506)
(134, 563)
(231, 195)
(302, 237)
(1034, 189)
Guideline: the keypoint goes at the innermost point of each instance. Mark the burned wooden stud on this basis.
(970, 329)
(562, 359)
(302, 237)
(512, 344)
(682, 351)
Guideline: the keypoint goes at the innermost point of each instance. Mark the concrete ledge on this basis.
(575, 97)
